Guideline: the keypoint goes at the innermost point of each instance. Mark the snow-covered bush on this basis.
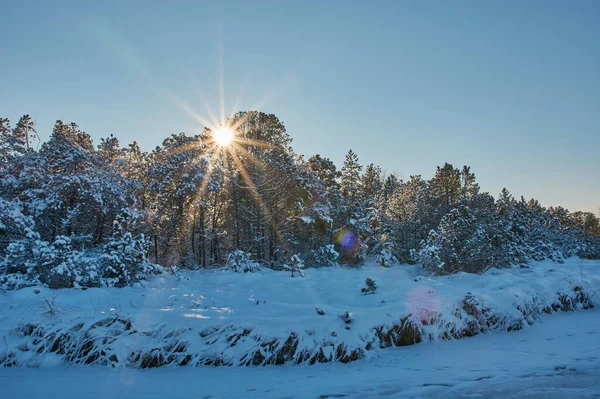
(346, 317)
(464, 241)
(21, 254)
(429, 254)
(16, 281)
(385, 257)
(295, 265)
(325, 256)
(588, 249)
(241, 262)
(59, 264)
(124, 256)
(370, 286)
(16, 238)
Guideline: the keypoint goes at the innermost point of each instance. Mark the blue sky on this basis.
(511, 88)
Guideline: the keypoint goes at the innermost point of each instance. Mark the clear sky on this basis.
(511, 88)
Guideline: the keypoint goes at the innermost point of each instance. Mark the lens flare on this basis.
(423, 303)
(346, 238)
(223, 136)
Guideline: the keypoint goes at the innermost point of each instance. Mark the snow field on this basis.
(219, 317)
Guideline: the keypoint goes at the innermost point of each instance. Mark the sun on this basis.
(223, 136)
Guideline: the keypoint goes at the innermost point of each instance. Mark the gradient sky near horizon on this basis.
(511, 88)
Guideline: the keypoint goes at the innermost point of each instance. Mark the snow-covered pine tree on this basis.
(445, 188)
(356, 222)
(124, 256)
(469, 187)
(241, 262)
(325, 256)
(350, 178)
(176, 179)
(386, 257)
(410, 216)
(16, 142)
(295, 265)
(464, 241)
(370, 286)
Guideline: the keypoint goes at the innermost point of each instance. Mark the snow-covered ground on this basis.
(558, 357)
(238, 318)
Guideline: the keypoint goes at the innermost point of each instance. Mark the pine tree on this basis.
(446, 187)
(370, 286)
(386, 257)
(351, 172)
(177, 175)
(469, 188)
(15, 143)
(295, 265)
(411, 217)
(125, 256)
(325, 171)
(371, 184)
(109, 150)
(72, 214)
(391, 184)
(467, 239)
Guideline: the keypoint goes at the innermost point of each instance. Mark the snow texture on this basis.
(557, 358)
(219, 317)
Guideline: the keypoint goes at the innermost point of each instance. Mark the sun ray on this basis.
(215, 155)
(284, 83)
(206, 179)
(249, 156)
(221, 75)
(223, 136)
(237, 124)
(255, 143)
(184, 148)
(260, 202)
(238, 99)
(250, 184)
(209, 110)
(187, 109)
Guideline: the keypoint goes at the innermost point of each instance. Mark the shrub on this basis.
(241, 262)
(325, 256)
(123, 259)
(385, 257)
(370, 286)
(295, 265)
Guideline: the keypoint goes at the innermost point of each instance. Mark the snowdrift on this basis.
(218, 317)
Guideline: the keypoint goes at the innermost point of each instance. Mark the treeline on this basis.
(76, 214)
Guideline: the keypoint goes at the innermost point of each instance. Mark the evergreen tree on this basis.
(72, 214)
(351, 172)
(295, 265)
(445, 187)
(177, 173)
(16, 142)
(391, 184)
(469, 188)
(125, 256)
(371, 184)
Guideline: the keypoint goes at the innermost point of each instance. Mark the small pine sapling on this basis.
(370, 286)
(295, 265)
(346, 317)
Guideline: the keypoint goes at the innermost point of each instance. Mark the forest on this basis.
(76, 214)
